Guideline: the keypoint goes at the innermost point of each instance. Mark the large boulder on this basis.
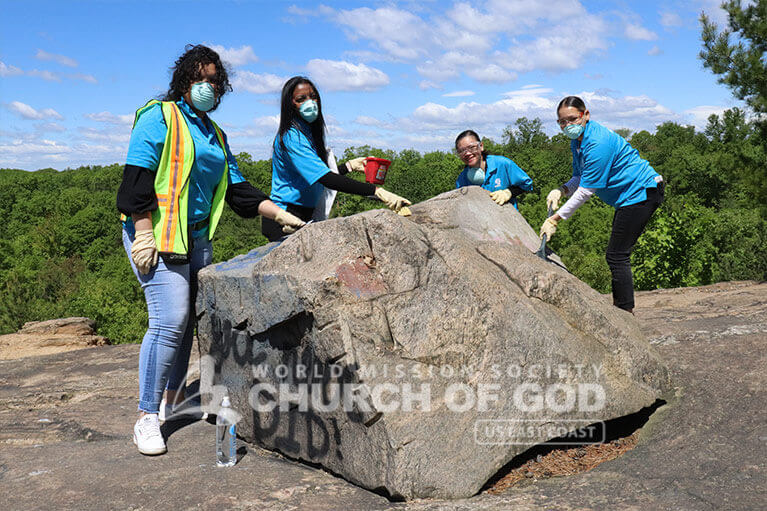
(416, 355)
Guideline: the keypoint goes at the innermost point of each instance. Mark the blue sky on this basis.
(393, 75)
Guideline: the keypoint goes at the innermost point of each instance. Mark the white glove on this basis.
(549, 227)
(501, 197)
(393, 201)
(553, 198)
(357, 164)
(290, 223)
(144, 251)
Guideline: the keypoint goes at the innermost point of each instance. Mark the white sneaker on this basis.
(147, 435)
(188, 409)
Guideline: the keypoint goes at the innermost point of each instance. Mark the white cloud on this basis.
(83, 77)
(50, 127)
(369, 121)
(428, 84)
(261, 127)
(60, 59)
(27, 112)
(458, 94)
(6, 70)
(557, 52)
(45, 75)
(713, 9)
(106, 135)
(110, 118)
(699, 115)
(20, 151)
(654, 51)
(670, 19)
(464, 39)
(528, 90)
(235, 56)
(265, 83)
(491, 73)
(639, 33)
(342, 75)
(397, 32)
(634, 112)
(272, 122)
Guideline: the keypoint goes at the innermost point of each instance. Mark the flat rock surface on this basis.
(65, 432)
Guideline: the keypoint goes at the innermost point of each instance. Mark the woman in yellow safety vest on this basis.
(178, 173)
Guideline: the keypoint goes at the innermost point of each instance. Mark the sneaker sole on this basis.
(148, 452)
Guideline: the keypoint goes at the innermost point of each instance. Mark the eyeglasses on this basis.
(468, 149)
(569, 120)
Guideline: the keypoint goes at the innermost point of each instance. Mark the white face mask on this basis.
(475, 175)
(203, 96)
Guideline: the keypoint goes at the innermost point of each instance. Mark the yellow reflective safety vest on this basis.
(169, 220)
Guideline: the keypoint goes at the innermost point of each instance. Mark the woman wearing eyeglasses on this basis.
(299, 160)
(497, 174)
(606, 165)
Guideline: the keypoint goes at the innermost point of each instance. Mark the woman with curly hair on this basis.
(179, 172)
(300, 170)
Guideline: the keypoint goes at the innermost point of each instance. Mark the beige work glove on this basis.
(290, 223)
(357, 164)
(501, 197)
(549, 227)
(553, 198)
(144, 251)
(394, 202)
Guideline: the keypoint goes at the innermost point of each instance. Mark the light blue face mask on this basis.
(573, 131)
(475, 175)
(309, 110)
(203, 96)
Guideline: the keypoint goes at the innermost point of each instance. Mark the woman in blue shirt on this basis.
(300, 170)
(190, 176)
(497, 174)
(606, 165)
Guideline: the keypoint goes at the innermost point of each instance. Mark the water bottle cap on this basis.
(225, 402)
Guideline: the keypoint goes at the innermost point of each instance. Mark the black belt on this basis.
(201, 224)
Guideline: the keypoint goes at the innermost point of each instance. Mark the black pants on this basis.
(628, 224)
(273, 231)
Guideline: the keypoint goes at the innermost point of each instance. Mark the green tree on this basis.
(740, 63)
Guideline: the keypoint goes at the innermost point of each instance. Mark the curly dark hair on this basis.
(188, 69)
(289, 116)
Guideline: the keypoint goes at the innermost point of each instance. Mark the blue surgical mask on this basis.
(475, 175)
(573, 131)
(309, 110)
(203, 96)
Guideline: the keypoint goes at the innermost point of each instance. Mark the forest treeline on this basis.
(61, 252)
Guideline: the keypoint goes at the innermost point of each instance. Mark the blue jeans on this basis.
(170, 292)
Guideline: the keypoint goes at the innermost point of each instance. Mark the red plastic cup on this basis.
(375, 170)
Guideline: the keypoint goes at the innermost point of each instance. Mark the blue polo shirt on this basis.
(146, 145)
(501, 173)
(297, 168)
(606, 162)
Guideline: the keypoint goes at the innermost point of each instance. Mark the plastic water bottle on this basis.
(226, 435)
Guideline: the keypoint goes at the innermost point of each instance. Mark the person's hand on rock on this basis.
(289, 222)
(549, 227)
(393, 201)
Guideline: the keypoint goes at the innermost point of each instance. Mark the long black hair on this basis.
(289, 116)
(573, 101)
(188, 69)
(469, 133)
